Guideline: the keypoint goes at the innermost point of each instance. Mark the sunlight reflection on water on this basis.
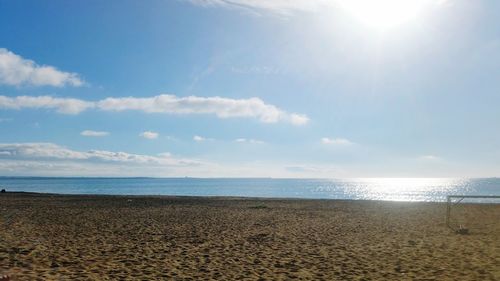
(408, 189)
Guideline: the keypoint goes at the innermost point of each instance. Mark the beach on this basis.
(83, 237)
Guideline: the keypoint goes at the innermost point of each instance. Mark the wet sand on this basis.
(55, 237)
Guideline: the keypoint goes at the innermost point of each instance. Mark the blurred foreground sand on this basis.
(55, 237)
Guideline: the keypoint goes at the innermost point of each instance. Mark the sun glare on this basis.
(384, 14)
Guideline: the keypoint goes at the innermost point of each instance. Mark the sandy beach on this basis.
(56, 237)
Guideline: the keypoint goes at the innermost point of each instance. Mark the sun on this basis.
(384, 14)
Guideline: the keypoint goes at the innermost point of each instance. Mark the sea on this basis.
(391, 189)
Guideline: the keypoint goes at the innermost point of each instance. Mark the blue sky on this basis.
(249, 88)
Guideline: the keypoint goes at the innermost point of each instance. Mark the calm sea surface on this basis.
(399, 189)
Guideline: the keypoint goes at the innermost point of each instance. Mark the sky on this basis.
(250, 88)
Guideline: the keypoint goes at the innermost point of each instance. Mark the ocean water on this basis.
(393, 189)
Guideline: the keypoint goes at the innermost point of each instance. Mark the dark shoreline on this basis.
(221, 198)
(235, 198)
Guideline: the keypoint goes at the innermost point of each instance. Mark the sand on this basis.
(55, 237)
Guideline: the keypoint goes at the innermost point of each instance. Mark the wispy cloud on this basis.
(201, 139)
(170, 104)
(54, 152)
(253, 141)
(171, 138)
(201, 75)
(429, 157)
(61, 105)
(311, 170)
(90, 133)
(16, 71)
(149, 135)
(48, 159)
(38, 150)
(265, 70)
(336, 141)
(281, 7)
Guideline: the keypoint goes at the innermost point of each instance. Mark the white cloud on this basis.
(61, 105)
(39, 150)
(253, 141)
(298, 119)
(48, 159)
(201, 139)
(336, 141)
(198, 138)
(170, 104)
(149, 135)
(16, 71)
(54, 152)
(221, 107)
(90, 133)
